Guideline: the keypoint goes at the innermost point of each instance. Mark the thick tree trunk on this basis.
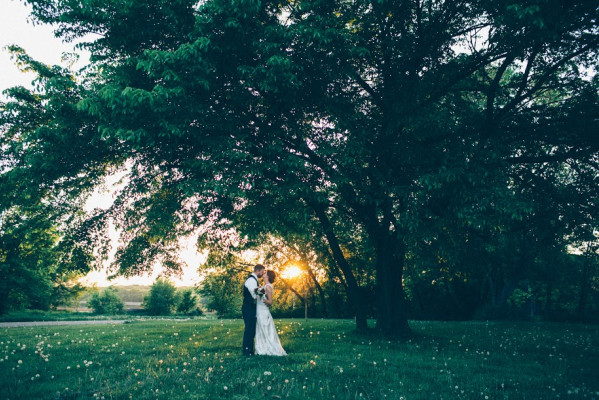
(353, 290)
(390, 297)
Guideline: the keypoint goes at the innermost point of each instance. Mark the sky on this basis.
(38, 40)
(40, 43)
(103, 198)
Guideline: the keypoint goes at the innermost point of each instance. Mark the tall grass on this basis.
(201, 359)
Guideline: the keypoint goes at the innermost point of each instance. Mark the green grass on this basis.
(64, 315)
(201, 359)
(60, 315)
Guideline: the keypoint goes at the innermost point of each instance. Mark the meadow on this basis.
(200, 359)
(65, 315)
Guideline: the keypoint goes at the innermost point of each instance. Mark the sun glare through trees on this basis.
(291, 272)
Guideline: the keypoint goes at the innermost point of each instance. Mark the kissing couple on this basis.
(260, 335)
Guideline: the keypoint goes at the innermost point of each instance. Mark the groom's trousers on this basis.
(249, 319)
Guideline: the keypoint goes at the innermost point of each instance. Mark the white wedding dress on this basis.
(267, 341)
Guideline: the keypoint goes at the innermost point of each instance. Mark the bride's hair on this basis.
(271, 276)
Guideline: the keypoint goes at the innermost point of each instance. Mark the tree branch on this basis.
(517, 99)
(492, 92)
(288, 285)
(364, 85)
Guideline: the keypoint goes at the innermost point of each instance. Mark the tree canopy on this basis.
(381, 132)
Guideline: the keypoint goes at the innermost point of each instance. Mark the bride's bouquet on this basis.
(260, 291)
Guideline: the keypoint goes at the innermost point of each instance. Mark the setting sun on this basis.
(291, 272)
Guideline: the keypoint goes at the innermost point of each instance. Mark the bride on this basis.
(267, 340)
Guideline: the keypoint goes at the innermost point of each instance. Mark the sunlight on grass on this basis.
(201, 359)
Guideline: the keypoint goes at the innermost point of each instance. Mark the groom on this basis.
(248, 309)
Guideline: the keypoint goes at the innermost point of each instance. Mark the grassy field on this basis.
(201, 359)
(60, 315)
(64, 315)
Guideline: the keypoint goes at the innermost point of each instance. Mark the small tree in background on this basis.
(187, 301)
(106, 303)
(223, 292)
(162, 299)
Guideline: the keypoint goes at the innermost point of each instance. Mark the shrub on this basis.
(106, 303)
(187, 301)
(162, 299)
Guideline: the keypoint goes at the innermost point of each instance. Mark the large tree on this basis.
(352, 113)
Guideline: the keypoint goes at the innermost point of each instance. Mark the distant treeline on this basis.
(127, 293)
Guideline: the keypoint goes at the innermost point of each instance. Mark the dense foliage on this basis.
(162, 299)
(187, 302)
(31, 273)
(108, 302)
(223, 293)
(421, 150)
